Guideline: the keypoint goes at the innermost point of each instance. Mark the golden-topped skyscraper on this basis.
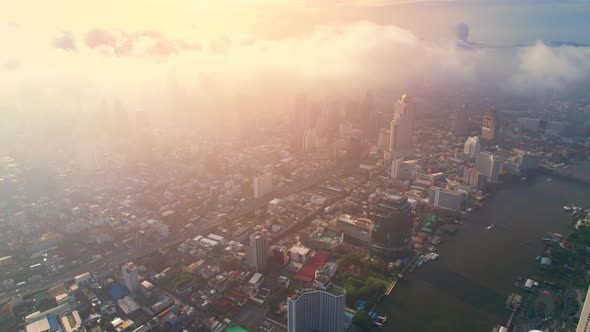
(401, 128)
(488, 126)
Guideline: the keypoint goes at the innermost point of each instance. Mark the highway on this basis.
(132, 254)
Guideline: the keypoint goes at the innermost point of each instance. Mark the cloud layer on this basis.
(149, 70)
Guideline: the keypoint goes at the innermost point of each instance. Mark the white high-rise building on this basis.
(262, 184)
(489, 165)
(584, 322)
(130, 276)
(472, 146)
(401, 129)
(445, 199)
(317, 310)
(383, 138)
(396, 165)
(258, 251)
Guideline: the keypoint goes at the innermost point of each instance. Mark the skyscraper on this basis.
(383, 138)
(472, 146)
(393, 221)
(317, 310)
(262, 184)
(584, 322)
(130, 276)
(474, 178)
(304, 120)
(488, 127)
(460, 124)
(401, 128)
(258, 251)
(489, 165)
(396, 165)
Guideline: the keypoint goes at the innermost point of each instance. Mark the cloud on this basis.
(145, 43)
(11, 65)
(542, 67)
(336, 62)
(66, 42)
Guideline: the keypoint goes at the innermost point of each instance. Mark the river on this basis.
(465, 289)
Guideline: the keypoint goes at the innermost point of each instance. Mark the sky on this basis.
(156, 55)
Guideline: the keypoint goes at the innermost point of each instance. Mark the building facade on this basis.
(584, 323)
(401, 129)
(474, 178)
(472, 146)
(489, 126)
(489, 165)
(445, 199)
(258, 251)
(355, 230)
(317, 310)
(130, 276)
(262, 184)
(393, 221)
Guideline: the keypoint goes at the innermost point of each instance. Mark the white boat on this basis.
(490, 227)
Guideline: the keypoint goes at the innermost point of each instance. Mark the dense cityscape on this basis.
(324, 221)
(295, 166)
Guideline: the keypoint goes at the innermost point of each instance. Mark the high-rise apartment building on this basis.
(474, 178)
(130, 276)
(584, 322)
(258, 251)
(314, 310)
(472, 146)
(262, 184)
(489, 165)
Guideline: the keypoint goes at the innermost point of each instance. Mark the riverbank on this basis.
(466, 288)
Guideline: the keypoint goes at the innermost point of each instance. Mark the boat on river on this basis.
(490, 227)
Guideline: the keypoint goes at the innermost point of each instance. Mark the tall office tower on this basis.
(258, 251)
(262, 184)
(489, 165)
(393, 221)
(396, 165)
(488, 127)
(401, 128)
(317, 310)
(472, 146)
(130, 276)
(584, 322)
(474, 178)
(304, 119)
(368, 117)
(383, 138)
(460, 124)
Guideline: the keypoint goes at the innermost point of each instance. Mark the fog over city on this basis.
(295, 166)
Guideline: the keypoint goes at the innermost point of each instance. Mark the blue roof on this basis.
(118, 291)
(53, 325)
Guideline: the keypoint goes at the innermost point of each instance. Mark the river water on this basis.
(466, 288)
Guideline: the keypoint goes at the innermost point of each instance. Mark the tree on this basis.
(362, 320)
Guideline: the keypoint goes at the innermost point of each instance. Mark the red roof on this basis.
(307, 272)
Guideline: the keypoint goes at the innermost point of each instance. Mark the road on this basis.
(129, 255)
